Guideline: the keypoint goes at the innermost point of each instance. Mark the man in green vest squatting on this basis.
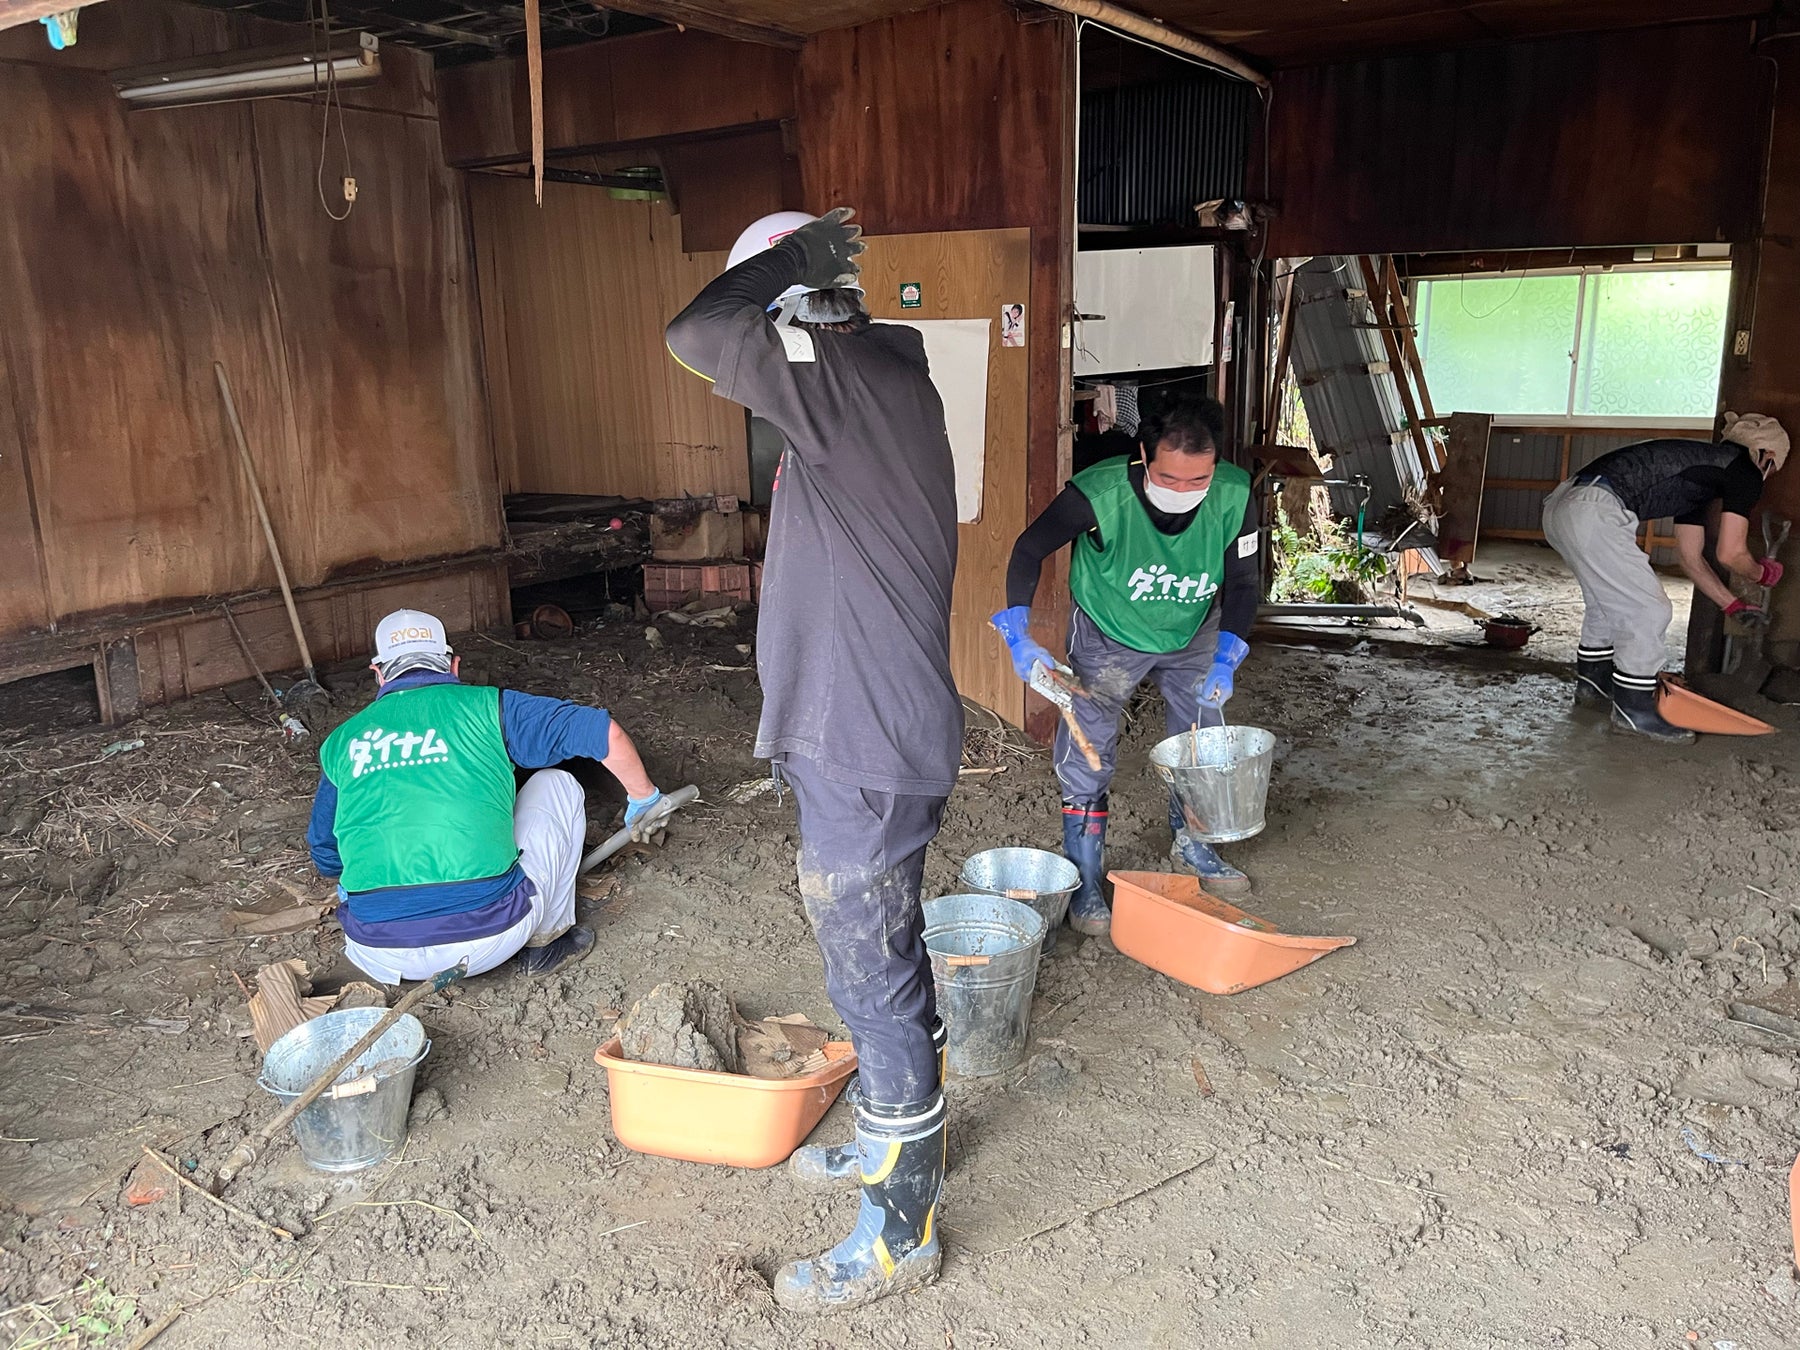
(438, 859)
(1165, 584)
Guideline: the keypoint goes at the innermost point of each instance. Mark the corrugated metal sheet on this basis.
(1151, 153)
(1352, 402)
(1538, 455)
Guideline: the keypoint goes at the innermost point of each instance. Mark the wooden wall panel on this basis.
(132, 262)
(970, 275)
(575, 297)
(143, 246)
(24, 603)
(378, 331)
(1566, 142)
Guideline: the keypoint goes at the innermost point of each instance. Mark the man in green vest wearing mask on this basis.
(1165, 584)
(437, 857)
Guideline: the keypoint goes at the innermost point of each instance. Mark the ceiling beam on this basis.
(684, 15)
(1159, 34)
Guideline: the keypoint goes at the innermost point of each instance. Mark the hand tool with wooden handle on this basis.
(1060, 687)
(245, 1153)
(311, 683)
(679, 797)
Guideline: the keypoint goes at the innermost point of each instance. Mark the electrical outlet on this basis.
(349, 188)
(1740, 342)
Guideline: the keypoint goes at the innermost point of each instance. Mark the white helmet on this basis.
(765, 234)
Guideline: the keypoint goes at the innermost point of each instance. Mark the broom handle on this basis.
(245, 1153)
(262, 514)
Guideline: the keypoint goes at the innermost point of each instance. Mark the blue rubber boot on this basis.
(894, 1245)
(836, 1164)
(1191, 854)
(1084, 844)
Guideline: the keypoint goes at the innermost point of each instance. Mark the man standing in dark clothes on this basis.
(860, 714)
(1592, 519)
(1165, 585)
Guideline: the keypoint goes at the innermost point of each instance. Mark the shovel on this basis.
(1059, 685)
(1754, 667)
(678, 798)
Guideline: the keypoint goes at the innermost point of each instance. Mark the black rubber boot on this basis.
(1634, 710)
(1084, 844)
(894, 1245)
(566, 950)
(835, 1164)
(1593, 677)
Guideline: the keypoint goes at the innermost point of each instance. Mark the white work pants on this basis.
(550, 828)
(1625, 607)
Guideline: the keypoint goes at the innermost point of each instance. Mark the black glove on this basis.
(829, 247)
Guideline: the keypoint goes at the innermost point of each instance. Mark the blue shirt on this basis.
(539, 733)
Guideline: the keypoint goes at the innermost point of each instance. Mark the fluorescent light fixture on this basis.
(263, 72)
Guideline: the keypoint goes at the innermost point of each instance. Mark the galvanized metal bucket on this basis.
(984, 960)
(1220, 778)
(1033, 876)
(361, 1118)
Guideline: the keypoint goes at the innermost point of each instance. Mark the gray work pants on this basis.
(1626, 608)
(1112, 672)
(861, 864)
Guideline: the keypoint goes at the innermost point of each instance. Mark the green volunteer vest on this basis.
(425, 789)
(1148, 590)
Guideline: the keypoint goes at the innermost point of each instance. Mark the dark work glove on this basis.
(829, 247)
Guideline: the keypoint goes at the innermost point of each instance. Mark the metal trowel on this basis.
(1058, 685)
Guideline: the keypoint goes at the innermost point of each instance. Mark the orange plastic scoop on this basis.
(1167, 922)
(1794, 1207)
(1682, 707)
(718, 1117)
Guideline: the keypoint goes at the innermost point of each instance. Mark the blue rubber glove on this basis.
(1013, 624)
(1216, 688)
(644, 816)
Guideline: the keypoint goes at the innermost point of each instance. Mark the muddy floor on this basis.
(1515, 1113)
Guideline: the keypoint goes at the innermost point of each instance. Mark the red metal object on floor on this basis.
(1168, 923)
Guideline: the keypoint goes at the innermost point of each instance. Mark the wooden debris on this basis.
(1201, 1080)
(284, 999)
(271, 918)
(188, 1184)
(783, 1047)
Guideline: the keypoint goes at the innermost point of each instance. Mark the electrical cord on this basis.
(321, 26)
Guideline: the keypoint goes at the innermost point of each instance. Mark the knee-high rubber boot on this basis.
(1593, 677)
(894, 1245)
(1191, 854)
(1634, 710)
(1084, 844)
(836, 1164)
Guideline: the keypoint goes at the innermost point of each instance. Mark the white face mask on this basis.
(1174, 503)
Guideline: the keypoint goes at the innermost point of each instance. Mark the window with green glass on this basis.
(1601, 344)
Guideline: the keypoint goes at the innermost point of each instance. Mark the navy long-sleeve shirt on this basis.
(539, 732)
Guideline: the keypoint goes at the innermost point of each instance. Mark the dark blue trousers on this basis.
(861, 863)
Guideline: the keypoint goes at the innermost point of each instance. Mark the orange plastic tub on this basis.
(727, 1118)
(1167, 922)
(1682, 707)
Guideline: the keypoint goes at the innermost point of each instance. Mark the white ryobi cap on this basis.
(409, 632)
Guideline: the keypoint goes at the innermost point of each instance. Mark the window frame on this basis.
(1568, 419)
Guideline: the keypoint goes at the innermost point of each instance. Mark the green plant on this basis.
(88, 1315)
(1332, 570)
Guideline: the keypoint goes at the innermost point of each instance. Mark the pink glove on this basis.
(1747, 614)
(1771, 572)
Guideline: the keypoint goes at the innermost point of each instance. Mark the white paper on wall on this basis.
(958, 352)
(1158, 306)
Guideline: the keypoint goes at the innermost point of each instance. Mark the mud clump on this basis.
(686, 1026)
